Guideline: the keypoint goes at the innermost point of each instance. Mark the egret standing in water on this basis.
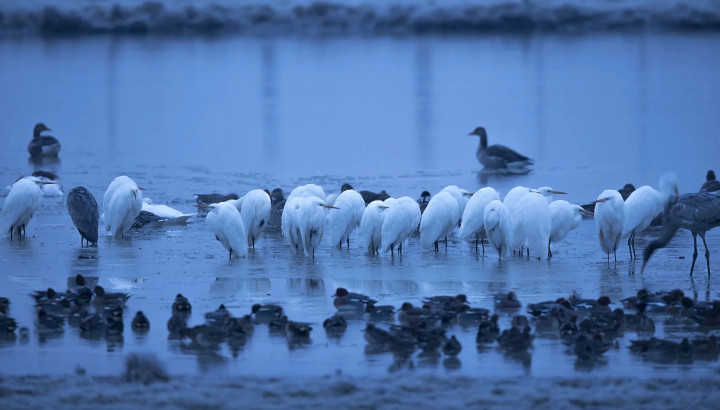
(533, 214)
(311, 222)
(254, 208)
(697, 213)
(473, 217)
(499, 156)
(23, 200)
(461, 197)
(609, 219)
(83, 210)
(43, 145)
(371, 225)
(289, 224)
(439, 218)
(643, 205)
(227, 225)
(110, 191)
(564, 217)
(342, 222)
(124, 207)
(496, 220)
(401, 220)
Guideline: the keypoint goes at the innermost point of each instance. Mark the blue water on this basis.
(190, 115)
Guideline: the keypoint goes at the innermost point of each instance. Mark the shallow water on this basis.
(184, 116)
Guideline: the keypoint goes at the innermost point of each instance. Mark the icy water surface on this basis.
(185, 116)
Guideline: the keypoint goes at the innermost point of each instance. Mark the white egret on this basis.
(565, 217)
(496, 220)
(516, 238)
(227, 225)
(342, 222)
(308, 190)
(43, 145)
(548, 192)
(643, 205)
(498, 156)
(110, 191)
(83, 209)
(124, 207)
(473, 217)
(439, 218)
(460, 195)
(311, 222)
(371, 225)
(23, 200)
(534, 215)
(609, 217)
(401, 220)
(289, 224)
(254, 208)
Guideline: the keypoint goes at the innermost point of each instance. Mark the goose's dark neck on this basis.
(483, 141)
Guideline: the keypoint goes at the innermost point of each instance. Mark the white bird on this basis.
(565, 217)
(513, 197)
(371, 225)
(401, 220)
(124, 207)
(534, 215)
(460, 195)
(114, 185)
(643, 205)
(439, 218)
(473, 217)
(306, 191)
(227, 225)
(23, 200)
(548, 192)
(350, 207)
(289, 224)
(310, 218)
(496, 219)
(609, 219)
(254, 208)
(170, 216)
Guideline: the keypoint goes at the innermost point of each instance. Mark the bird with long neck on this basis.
(697, 213)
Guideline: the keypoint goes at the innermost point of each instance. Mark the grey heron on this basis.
(43, 145)
(697, 213)
(83, 210)
(498, 156)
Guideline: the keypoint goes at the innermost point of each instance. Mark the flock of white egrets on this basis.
(526, 220)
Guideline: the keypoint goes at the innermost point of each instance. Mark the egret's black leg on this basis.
(549, 251)
(707, 252)
(400, 249)
(630, 246)
(348, 243)
(692, 267)
(445, 243)
(437, 248)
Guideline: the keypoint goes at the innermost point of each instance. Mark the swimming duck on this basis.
(382, 313)
(452, 347)
(488, 330)
(219, 317)
(350, 302)
(514, 340)
(589, 347)
(109, 298)
(498, 156)
(177, 325)
(266, 313)
(507, 301)
(140, 322)
(181, 304)
(335, 325)
(43, 145)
